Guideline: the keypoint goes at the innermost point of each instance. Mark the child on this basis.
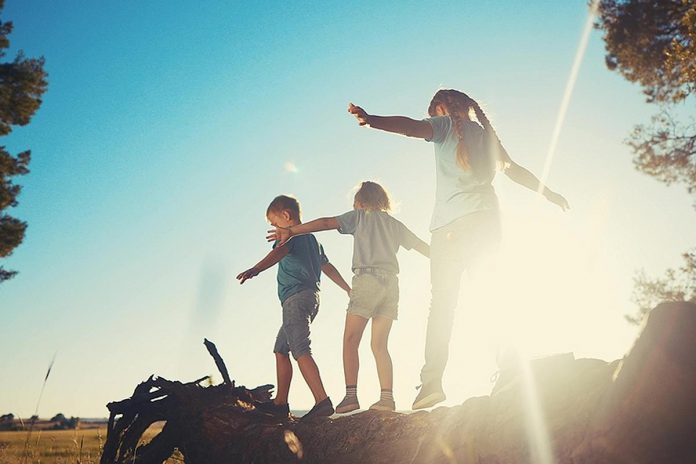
(375, 295)
(301, 262)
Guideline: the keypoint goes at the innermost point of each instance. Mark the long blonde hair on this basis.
(459, 106)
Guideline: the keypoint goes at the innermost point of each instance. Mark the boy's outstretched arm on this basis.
(524, 177)
(333, 274)
(275, 255)
(283, 234)
(398, 124)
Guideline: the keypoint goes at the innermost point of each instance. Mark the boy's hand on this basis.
(557, 199)
(279, 233)
(359, 113)
(248, 274)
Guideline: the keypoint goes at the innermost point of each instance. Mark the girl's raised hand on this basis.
(280, 234)
(558, 199)
(359, 113)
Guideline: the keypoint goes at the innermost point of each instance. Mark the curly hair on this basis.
(373, 196)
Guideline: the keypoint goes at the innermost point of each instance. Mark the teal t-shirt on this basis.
(300, 269)
(458, 192)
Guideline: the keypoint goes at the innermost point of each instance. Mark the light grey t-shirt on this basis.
(458, 192)
(377, 237)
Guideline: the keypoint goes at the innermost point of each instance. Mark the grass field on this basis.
(59, 446)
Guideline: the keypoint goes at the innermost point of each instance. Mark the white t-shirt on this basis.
(458, 192)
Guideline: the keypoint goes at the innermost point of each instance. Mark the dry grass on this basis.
(60, 446)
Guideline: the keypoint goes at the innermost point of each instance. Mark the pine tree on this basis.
(22, 83)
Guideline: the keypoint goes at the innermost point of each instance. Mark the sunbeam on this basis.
(567, 94)
(540, 444)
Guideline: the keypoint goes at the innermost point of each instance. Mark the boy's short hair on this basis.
(373, 196)
(285, 203)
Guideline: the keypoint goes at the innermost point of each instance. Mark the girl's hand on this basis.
(279, 233)
(359, 113)
(558, 199)
(248, 274)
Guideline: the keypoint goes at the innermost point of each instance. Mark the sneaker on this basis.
(384, 405)
(348, 404)
(324, 408)
(429, 395)
(275, 410)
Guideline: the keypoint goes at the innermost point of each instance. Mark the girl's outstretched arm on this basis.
(283, 234)
(333, 274)
(397, 124)
(275, 255)
(525, 178)
(422, 248)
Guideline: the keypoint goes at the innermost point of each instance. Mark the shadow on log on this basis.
(641, 409)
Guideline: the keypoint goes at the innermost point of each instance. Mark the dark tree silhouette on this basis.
(22, 83)
(652, 43)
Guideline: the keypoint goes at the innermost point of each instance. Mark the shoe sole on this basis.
(350, 408)
(315, 417)
(429, 401)
(382, 408)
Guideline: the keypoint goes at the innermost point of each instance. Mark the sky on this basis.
(168, 126)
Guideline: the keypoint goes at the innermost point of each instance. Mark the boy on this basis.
(300, 264)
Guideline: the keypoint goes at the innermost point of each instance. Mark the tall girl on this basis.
(465, 223)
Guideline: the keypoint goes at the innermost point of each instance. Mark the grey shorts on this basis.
(374, 293)
(299, 310)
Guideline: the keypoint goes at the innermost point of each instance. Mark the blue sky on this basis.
(168, 127)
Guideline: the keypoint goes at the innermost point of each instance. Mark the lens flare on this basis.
(567, 94)
(290, 167)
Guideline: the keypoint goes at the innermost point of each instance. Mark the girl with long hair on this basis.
(465, 223)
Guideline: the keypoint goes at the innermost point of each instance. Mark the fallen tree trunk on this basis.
(562, 410)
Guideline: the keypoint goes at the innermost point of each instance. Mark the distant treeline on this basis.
(57, 422)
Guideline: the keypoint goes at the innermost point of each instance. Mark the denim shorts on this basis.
(299, 310)
(374, 293)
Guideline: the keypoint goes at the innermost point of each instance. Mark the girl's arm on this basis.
(333, 274)
(525, 178)
(422, 248)
(397, 124)
(411, 241)
(283, 234)
(275, 255)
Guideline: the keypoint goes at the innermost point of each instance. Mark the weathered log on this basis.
(588, 411)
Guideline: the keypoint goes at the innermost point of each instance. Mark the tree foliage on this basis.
(22, 83)
(676, 285)
(653, 43)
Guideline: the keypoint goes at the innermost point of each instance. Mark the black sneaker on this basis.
(324, 408)
(272, 409)
(429, 395)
